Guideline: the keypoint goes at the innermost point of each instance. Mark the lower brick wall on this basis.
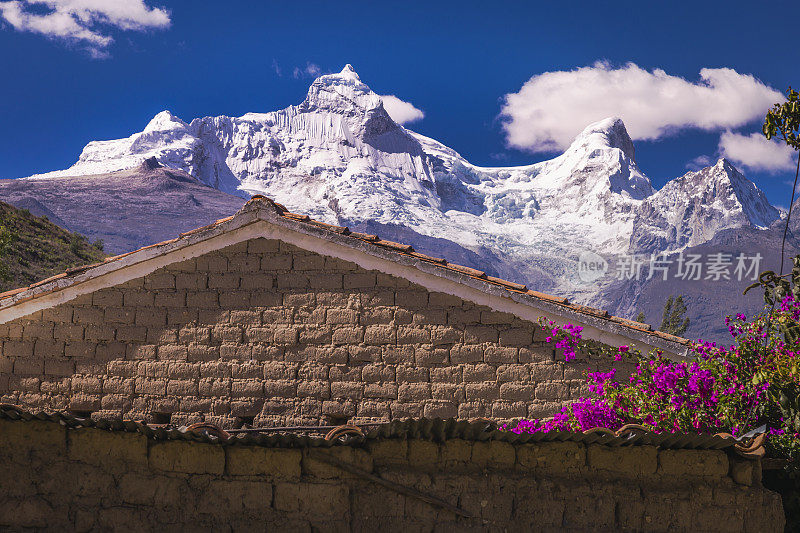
(85, 479)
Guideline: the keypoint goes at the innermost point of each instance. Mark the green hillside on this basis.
(33, 248)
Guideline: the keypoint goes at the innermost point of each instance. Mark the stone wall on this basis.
(88, 479)
(266, 333)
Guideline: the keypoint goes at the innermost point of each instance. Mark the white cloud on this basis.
(401, 111)
(699, 162)
(551, 108)
(84, 22)
(755, 152)
(311, 70)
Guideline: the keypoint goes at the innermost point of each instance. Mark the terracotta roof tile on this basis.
(508, 284)
(480, 274)
(631, 323)
(437, 260)
(395, 245)
(364, 236)
(548, 297)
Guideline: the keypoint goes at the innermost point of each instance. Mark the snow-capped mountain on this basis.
(339, 157)
(692, 209)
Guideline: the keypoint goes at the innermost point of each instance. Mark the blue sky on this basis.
(456, 61)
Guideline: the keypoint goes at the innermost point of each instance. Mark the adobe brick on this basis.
(246, 371)
(87, 384)
(191, 281)
(333, 263)
(430, 316)
(516, 337)
(160, 280)
(479, 373)
(451, 392)
(262, 246)
(440, 299)
(58, 314)
(314, 389)
(344, 373)
(177, 316)
(480, 334)
(112, 385)
(440, 409)
(353, 390)
(406, 410)
(348, 335)
(197, 335)
(213, 262)
(141, 351)
(461, 317)
(376, 315)
(308, 262)
(250, 388)
(377, 335)
(246, 317)
(293, 280)
(498, 354)
(132, 334)
(513, 372)
(199, 352)
(99, 332)
(257, 281)
(379, 298)
(125, 369)
(341, 316)
(430, 356)
(412, 374)
(87, 315)
(397, 354)
(236, 352)
(203, 299)
(360, 354)
(173, 352)
(189, 265)
(80, 349)
(380, 390)
(18, 348)
(482, 391)
(244, 263)
(447, 374)
(117, 315)
(359, 280)
(315, 335)
(413, 335)
(214, 387)
(377, 373)
(71, 332)
(551, 391)
(48, 348)
(107, 298)
(276, 262)
(517, 392)
(466, 353)
(539, 354)
(28, 366)
(411, 299)
(157, 387)
(327, 280)
(286, 334)
(223, 280)
(138, 298)
(37, 330)
(182, 387)
(300, 299)
(413, 392)
(232, 334)
(171, 299)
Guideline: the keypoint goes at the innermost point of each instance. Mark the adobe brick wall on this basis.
(266, 330)
(88, 479)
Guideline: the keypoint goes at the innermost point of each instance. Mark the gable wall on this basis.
(266, 330)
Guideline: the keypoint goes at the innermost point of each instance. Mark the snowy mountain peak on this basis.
(607, 133)
(341, 93)
(164, 121)
(349, 72)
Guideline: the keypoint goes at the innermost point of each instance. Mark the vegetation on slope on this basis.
(33, 248)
